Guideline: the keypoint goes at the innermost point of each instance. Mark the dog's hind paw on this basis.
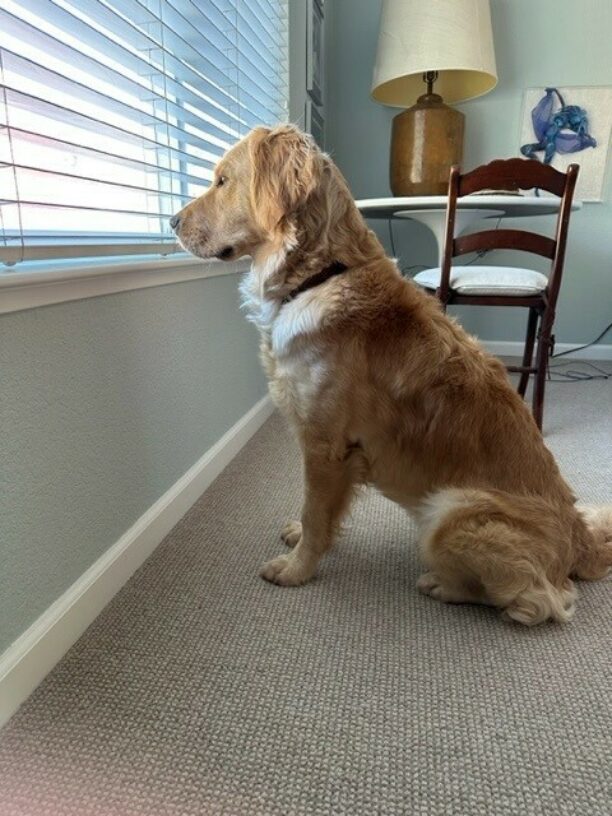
(291, 533)
(430, 584)
(285, 570)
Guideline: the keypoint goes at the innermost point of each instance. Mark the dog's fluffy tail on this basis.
(595, 556)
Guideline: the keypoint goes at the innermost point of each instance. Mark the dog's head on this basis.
(258, 188)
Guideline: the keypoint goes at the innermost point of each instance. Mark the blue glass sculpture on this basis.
(561, 131)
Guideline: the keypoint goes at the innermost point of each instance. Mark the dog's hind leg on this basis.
(479, 551)
(329, 486)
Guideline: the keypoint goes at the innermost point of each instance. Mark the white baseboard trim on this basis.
(600, 351)
(32, 656)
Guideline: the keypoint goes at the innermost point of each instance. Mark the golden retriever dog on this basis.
(382, 388)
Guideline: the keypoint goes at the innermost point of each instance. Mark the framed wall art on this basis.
(565, 125)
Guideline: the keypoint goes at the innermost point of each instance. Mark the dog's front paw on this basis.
(285, 571)
(292, 533)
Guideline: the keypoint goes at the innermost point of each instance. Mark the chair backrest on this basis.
(510, 174)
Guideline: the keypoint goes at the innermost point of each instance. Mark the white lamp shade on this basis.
(453, 37)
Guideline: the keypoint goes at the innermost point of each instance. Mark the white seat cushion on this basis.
(487, 280)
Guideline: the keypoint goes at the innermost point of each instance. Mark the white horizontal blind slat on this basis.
(182, 37)
(28, 137)
(130, 37)
(118, 58)
(110, 79)
(113, 114)
(192, 22)
(134, 113)
(203, 18)
(86, 127)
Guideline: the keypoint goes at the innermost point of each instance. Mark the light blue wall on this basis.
(537, 43)
(104, 404)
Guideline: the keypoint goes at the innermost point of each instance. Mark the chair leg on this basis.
(532, 324)
(542, 355)
(443, 303)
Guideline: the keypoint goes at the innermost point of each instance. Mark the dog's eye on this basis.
(221, 181)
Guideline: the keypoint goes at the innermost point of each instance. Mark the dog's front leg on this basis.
(328, 490)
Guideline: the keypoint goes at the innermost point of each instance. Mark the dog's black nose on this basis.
(175, 221)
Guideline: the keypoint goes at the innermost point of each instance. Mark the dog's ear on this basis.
(286, 169)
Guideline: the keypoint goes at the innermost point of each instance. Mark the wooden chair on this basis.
(509, 286)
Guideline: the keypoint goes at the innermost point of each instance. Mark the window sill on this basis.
(57, 284)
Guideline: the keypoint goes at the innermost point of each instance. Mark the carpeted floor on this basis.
(203, 690)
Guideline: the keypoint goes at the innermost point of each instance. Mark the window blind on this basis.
(113, 114)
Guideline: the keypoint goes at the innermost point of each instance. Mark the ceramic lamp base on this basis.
(426, 140)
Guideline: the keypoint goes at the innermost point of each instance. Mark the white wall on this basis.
(104, 404)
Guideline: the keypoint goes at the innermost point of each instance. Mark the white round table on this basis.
(431, 210)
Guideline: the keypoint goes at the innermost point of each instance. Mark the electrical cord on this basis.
(586, 345)
(482, 252)
(556, 374)
(407, 269)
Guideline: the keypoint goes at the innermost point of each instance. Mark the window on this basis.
(113, 114)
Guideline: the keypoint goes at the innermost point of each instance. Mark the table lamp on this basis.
(442, 47)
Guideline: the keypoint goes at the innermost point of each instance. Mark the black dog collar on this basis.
(330, 271)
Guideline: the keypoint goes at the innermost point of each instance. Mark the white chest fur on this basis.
(299, 317)
(296, 370)
(281, 323)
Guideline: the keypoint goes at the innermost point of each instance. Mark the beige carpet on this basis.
(203, 690)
